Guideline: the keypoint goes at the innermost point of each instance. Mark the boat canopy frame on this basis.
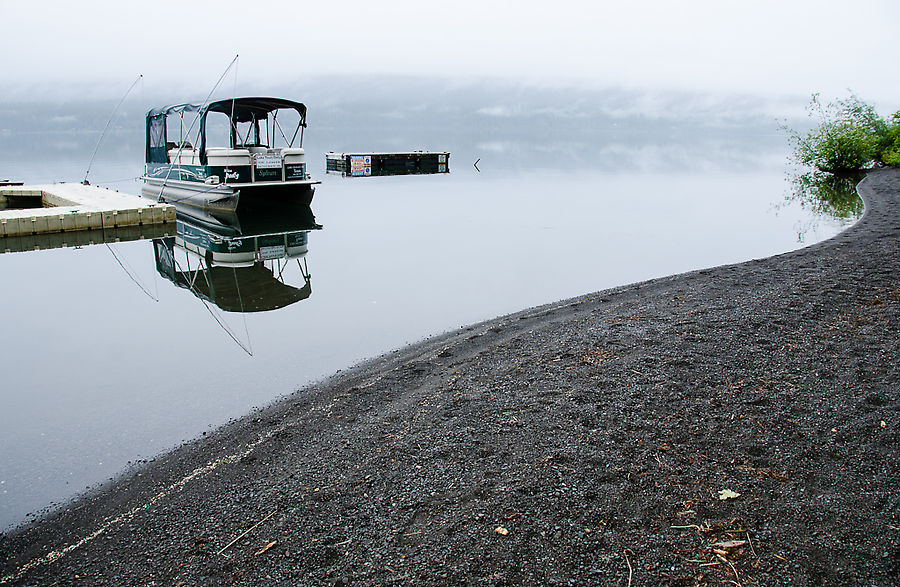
(238, 110)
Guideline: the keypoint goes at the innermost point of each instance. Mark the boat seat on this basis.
(184, 156)
(226, 156)
(225, 151)
(293, 155)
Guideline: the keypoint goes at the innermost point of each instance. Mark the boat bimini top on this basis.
(244, 115)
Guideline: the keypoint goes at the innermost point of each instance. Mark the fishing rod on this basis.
(193, 122)
(108, 122)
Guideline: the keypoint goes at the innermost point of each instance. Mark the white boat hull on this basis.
(193, 194)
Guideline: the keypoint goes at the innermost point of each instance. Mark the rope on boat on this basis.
(134, 178)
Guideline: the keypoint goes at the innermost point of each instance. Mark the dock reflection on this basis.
(82, 238)
(251, 261)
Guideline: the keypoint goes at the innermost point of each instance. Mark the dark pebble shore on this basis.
(735, 425)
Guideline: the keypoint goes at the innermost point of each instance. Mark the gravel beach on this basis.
(735, 425)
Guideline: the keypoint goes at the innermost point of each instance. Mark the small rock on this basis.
(728, 494)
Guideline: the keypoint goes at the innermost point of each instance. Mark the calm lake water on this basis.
(108, 362)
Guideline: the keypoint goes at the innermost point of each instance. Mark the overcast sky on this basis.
(766, 47)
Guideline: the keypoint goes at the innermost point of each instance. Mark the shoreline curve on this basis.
(598, 433)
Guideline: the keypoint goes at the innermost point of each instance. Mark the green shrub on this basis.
(850, 136)
(890, 154)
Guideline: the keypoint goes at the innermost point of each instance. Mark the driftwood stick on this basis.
(227, 546)
(630, 571)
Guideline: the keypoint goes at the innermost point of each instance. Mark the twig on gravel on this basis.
(227, 546)
(736, 576)
(753, 550)
(630, 570)
(700, 529)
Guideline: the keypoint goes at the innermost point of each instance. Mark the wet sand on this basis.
(736, 424)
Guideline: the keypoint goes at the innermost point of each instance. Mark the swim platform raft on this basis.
(71, 207)
(374, 164)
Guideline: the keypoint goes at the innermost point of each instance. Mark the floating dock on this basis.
(71, 207)
(375, 164)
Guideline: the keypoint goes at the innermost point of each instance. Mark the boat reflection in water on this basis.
(240, 262)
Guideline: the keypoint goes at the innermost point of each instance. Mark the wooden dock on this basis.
(375, 164)
(71, 207)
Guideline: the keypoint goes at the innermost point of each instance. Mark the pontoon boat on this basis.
(242, 149)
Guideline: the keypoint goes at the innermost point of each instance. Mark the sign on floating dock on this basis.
(374, 164)
(70, 207)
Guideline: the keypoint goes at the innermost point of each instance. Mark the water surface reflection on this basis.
(829, 195)
(239, 262)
